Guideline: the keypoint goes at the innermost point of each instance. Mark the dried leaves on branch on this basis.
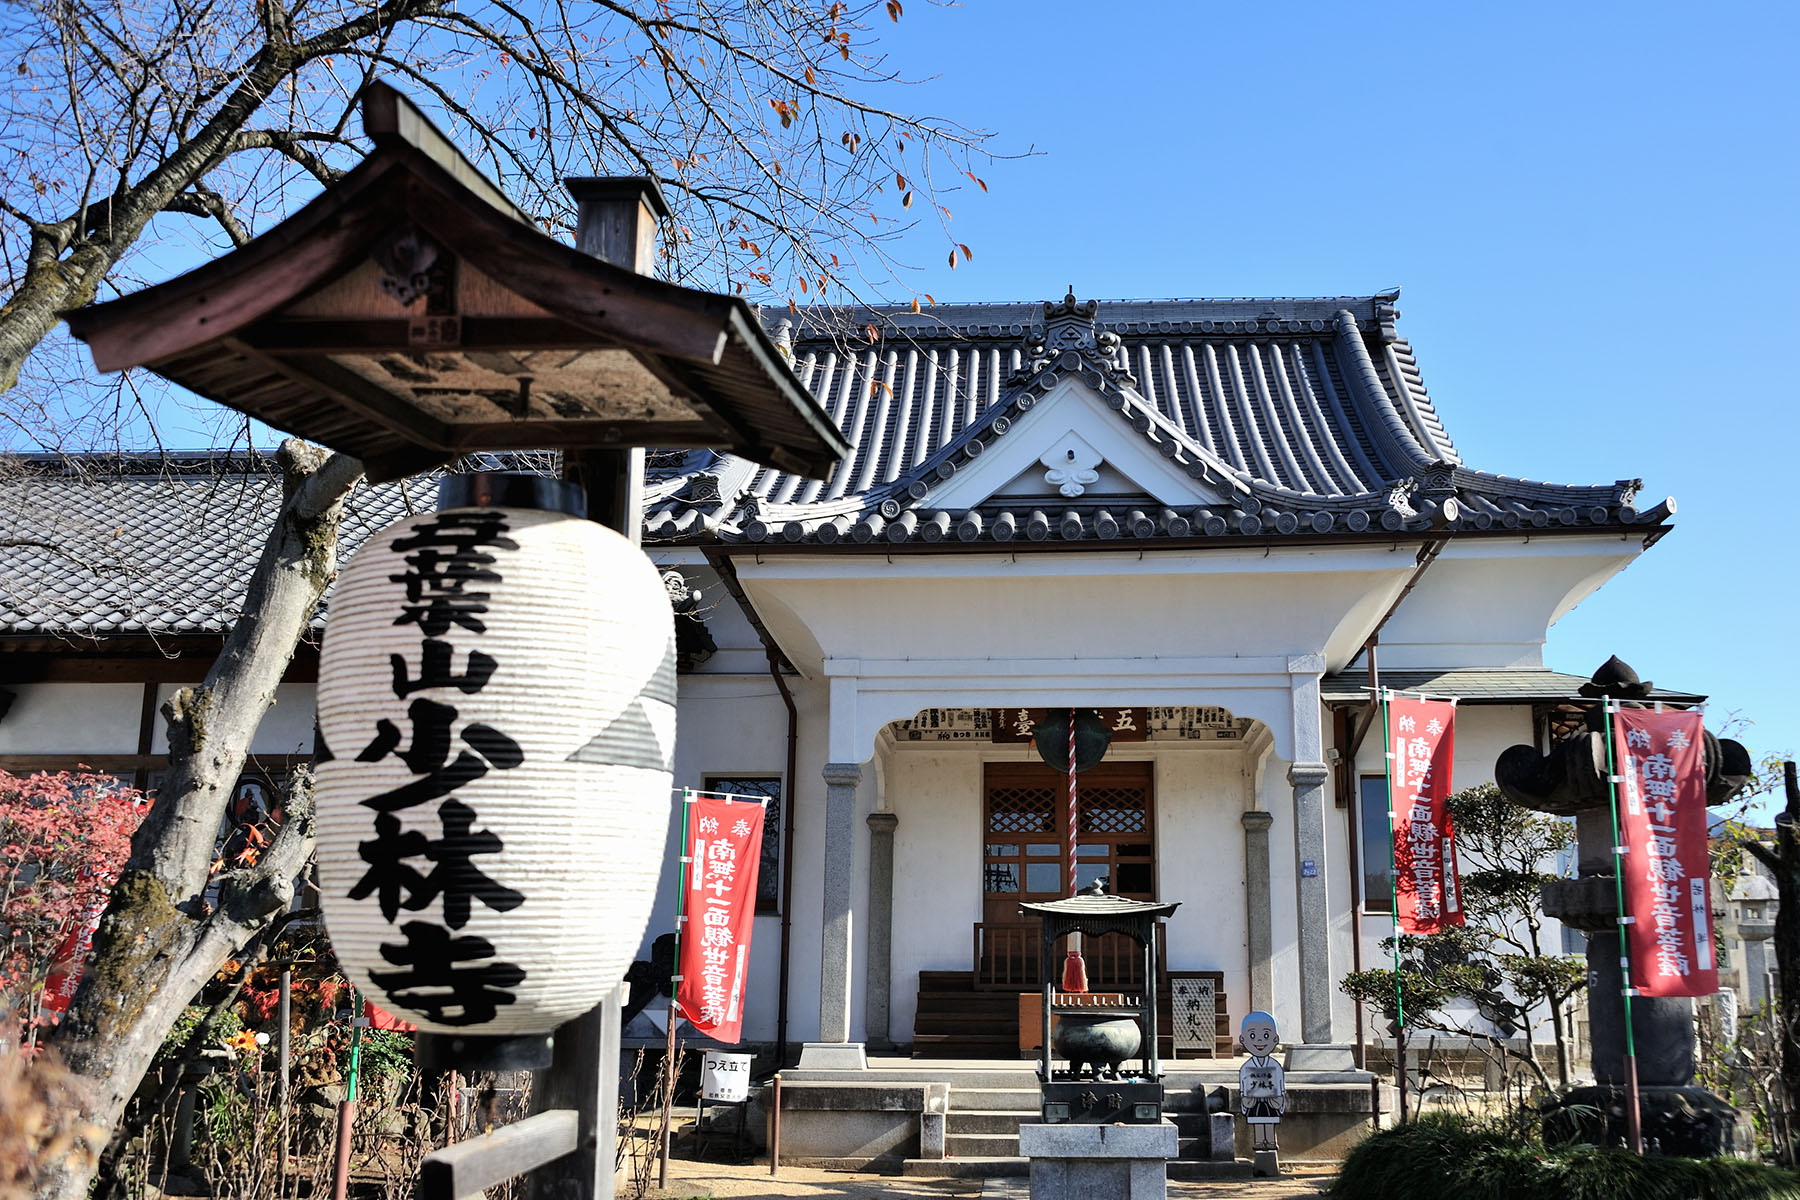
(136, 137)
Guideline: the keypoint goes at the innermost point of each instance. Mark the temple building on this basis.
(1208, 522)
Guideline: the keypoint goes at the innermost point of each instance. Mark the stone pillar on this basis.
(1316, 982)
(1662, 1029)
(841, 780)
(881, 928)
(1308, 775)
(1256, 894)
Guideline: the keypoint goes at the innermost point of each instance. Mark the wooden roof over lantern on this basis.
(411, 313)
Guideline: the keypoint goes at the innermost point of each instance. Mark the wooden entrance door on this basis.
(1024, 844)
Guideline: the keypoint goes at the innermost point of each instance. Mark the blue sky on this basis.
(1591, 209)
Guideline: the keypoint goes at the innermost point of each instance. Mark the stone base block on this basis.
(1689, 1122)
(1224, 1136)
(833, 1056)
(858, 1126)
(1320, 1056)
(931, 1135)
(1322, 1121)
(1268, 1162)
(1078, 1162)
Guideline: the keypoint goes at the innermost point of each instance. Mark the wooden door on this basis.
(1024, 847)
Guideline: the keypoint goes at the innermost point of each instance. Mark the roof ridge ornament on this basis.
(1071, 334)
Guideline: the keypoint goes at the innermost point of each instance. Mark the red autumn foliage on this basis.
(64, 837)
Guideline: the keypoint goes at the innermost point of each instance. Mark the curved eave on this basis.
(1163, 529)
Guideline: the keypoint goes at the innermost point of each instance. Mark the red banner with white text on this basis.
(1661, 764)
(69, 964)
(723, 852)
(1422, 742)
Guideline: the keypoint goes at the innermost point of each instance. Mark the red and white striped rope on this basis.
(1072, 806)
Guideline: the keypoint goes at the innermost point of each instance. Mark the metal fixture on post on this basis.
(409, 315)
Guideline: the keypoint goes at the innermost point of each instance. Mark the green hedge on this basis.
(1444, 1157)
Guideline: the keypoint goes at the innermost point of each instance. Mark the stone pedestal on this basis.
(1267, 1163)
(833, 1056)
(1323, 1056)
(1081, 1162)
(1677, 1117)
(1223, 1142)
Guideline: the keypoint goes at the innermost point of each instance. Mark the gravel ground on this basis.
(688, 1180)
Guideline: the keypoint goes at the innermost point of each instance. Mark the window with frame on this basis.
(768, 871)
(1377, 845)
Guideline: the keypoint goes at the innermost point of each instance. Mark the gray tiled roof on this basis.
(1475, 685)
(163, 547)
(1311, 414)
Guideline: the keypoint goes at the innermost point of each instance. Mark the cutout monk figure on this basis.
(1262, 1087)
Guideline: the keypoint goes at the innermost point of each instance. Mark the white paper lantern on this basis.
(497, 700)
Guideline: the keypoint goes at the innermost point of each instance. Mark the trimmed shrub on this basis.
(1446, 1155)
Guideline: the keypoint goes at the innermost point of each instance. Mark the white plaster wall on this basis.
(1201, 794)
(727, 725)
(1482, 733)
(287, 728)
(1336, 871)
(1490, 602)
(73, 718)
(937, 870)
(1276, 795)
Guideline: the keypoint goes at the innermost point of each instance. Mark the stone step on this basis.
(947, 981)
(981, 1145)
(1189, 1168)
(989, 1120)
(972, 1024)
(980, 1075)
(985, 1099)
(985, 1001)
(1002, 1166)
(972, 1045)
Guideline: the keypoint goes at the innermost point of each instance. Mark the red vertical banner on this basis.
(723, 852)
(69, 964)
(1662, 824)
(1422, 743)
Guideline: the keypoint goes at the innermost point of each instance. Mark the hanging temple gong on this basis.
(1051, 736)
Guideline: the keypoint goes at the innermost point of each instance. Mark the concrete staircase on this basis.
(983, 1122)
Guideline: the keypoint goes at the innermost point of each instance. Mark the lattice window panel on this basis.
(1021, 810)
(1196, 1013)
(1112, 810)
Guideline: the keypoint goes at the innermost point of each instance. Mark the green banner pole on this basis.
(681, 887)
(1387, 756)
(1634, 1121)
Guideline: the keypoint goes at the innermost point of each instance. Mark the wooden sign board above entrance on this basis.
(985, 725)
(1016, 724)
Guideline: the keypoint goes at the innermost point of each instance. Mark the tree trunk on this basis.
(158, 943)
(1562, 1042)
(1784, 864)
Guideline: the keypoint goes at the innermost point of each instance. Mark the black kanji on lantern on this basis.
(434, 670)
(428, 754)
(445, 561)
(444, 977)
(455, 877)
(451, 980)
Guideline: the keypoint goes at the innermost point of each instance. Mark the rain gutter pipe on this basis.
(778, 665)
